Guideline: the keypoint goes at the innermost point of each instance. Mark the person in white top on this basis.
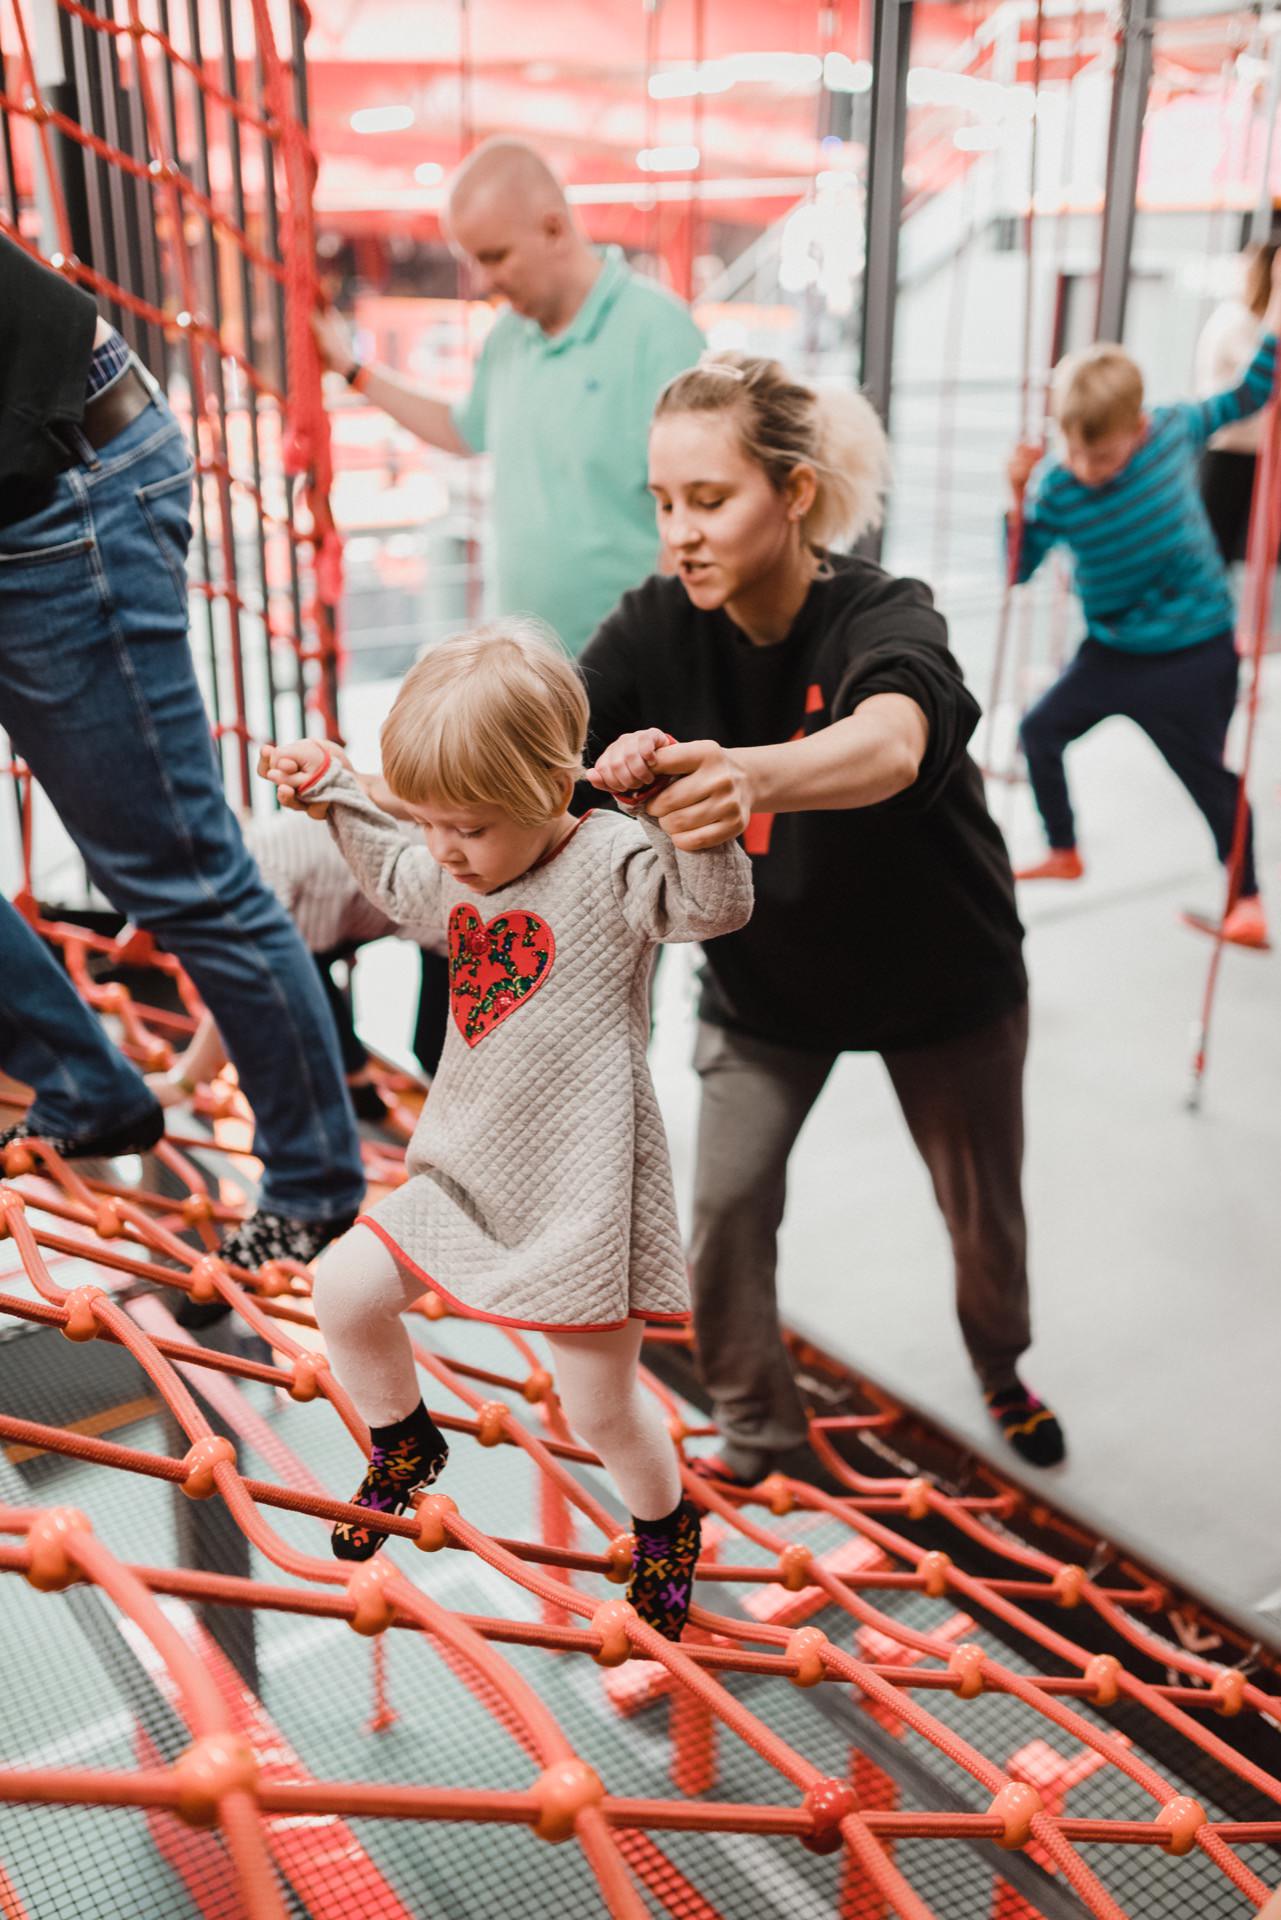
(1225, 349)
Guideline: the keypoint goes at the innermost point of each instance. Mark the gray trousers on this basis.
(963, 1104)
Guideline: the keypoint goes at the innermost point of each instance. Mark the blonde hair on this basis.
(495, 717)
(1097, 392)
(784, 424)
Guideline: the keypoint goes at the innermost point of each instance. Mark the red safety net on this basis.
(172, 139)
(802, 1590)
(902, 1674)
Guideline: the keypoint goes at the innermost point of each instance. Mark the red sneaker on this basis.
(1245, 926)
(1061, 863)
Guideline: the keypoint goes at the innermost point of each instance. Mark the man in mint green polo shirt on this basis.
(562, 393)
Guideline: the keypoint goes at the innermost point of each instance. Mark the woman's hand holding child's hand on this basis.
(628, 767)
(292, 768)
(697, 792)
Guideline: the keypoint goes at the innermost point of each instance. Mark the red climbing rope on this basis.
(1014, 547)
(1263, 542)
(226, 1776)
(261, 434)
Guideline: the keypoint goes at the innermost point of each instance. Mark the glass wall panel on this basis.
(720, 145)
(1003, 190)
(1201, 179)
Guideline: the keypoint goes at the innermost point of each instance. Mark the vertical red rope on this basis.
(203, 411)
(1015, 533)
(1263, 542)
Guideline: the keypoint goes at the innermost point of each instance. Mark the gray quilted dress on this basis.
(540, 1190)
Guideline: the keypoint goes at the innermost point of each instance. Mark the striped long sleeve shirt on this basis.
(1145, 563)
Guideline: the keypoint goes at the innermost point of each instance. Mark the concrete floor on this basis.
(1156, 1231)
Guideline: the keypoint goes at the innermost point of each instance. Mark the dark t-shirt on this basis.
(875, 927)
(46, 344)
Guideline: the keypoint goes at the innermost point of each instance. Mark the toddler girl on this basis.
(540, 1193)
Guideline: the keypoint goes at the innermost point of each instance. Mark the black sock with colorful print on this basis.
(1029, 1426)
(404, 1456)
(664, 1555)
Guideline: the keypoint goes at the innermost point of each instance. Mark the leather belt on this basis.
(109, 413)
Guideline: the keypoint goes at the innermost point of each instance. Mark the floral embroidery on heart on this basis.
(494, 967)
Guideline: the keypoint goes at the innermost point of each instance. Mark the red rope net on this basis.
(765, 1589)
(902, 1606)
(181, 160)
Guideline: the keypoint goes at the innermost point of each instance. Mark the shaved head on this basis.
(508, 216)
(507, 171)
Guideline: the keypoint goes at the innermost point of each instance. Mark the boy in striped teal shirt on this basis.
(1159, 644)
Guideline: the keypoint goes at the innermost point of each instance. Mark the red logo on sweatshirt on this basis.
(756, 838)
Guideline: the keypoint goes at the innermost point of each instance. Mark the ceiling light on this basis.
(843, 75)
(667, 159)
(382, 119)
(736, 69)
(429, 173)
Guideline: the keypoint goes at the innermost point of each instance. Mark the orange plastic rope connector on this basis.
(50, 1568)
(202, 1461)
(1182, 1819)
(827, 1802)
(611, 1621)
(216, 1765)
(433, 1511)
(1016, 1806)
(564, 1792)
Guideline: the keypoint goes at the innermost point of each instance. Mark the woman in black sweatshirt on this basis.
(820, 714)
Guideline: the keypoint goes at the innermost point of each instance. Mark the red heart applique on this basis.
(494, 967)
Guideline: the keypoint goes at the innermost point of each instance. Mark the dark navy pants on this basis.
(1183, 701)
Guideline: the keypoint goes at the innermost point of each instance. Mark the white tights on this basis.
(360, 1292)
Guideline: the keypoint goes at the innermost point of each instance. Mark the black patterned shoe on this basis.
(1030, 1427)
(403, 1457)
(139, 1136)
(263, 1236)
(664, 1556)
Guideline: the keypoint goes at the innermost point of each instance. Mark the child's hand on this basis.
(291, 768)
(1024, 458)
(627, 768)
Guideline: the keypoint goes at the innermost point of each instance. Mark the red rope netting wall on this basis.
(914, 1682)
(904, 1606)
(166, 140)
(168, 144)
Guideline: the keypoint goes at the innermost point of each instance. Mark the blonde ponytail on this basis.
(784, 424)
(852, 459)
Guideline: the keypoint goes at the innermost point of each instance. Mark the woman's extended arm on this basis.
(873, 754)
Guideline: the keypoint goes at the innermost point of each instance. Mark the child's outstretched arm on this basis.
(395, 871)
(665, 893)
(1254, 389)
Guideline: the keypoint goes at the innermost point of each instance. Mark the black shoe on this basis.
(263, 1236)
(139, 1136)
(794, 1463)
(1030, 1427)
(368, 1101)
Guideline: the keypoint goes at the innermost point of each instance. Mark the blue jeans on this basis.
(99, 695)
